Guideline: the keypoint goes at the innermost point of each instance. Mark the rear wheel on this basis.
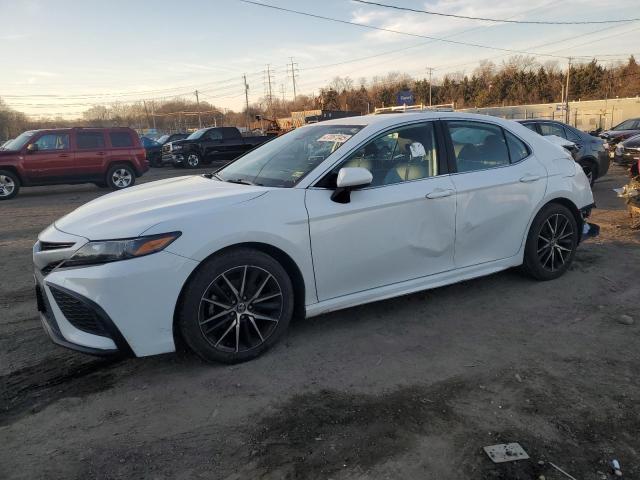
(590, 170)
(120, 176)
(236, 306)
(9, 184)
(552, 242)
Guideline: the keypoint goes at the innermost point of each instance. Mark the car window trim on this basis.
(440, 152)
(452, 158)
(64, 132)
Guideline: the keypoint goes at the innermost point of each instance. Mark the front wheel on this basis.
(9, 184)
(120, 177)
(552, 242)
(236, 306)
(192, 160)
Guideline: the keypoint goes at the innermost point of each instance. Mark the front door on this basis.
(399, 228)
(498, 184)
(51, 158)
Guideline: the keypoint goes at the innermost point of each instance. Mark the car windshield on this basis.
(20, 141)
(147, 142)
(626, 125)
(197, 134)
(163, 138)
(284, 161)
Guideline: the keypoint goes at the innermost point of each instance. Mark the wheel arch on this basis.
(128, 163)
(592, 161)
(14, 170)
(573, 208)
(290, 266)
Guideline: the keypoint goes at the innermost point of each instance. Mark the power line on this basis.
(399, 32)
(496, 20)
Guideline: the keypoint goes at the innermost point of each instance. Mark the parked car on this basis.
(153, 150)
(209, 145)
(627, 152)
(108, 157)
(328, 216)
(591, 153)
(620, 132)
(170, 137)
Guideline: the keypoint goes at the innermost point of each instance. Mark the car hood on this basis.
(618, 134)
(129, 213)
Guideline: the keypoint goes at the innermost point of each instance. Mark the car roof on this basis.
(390, 119)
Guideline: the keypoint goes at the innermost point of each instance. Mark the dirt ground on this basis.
(409, 388)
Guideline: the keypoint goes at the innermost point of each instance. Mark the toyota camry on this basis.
(328, 216)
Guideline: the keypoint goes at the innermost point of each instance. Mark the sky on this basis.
(60, 57)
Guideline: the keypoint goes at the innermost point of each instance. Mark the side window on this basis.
(214, 135)
(552, 129)
(571, 135)
(402, 155)
(53, 141)
(90, 140)
(531, 126)
(120, 139)
(478, 146)
(517, 148)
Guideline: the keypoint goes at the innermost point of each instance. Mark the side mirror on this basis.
(33, 147)
(350, 178)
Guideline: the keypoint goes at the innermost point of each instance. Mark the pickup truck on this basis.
(209, 145)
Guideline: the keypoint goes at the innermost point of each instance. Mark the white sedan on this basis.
(329, 216)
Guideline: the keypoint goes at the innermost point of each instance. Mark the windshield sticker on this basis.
(335, 137)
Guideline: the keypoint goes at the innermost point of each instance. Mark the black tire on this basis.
(239, 326)
(192, 160)
(120, 176)
(590, 170)
(551, 243)
(9, 184)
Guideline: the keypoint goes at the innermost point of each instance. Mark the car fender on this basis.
(277, 219)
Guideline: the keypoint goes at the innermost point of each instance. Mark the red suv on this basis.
(108, 157)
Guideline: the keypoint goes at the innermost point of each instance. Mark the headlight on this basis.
(106, 251)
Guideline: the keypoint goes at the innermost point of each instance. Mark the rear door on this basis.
(498, 184)
(53, 160)
(90, 153)
(233, 143)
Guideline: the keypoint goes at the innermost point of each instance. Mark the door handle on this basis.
(100, 153)
(63, 155)
(530, 178)
(440, 193)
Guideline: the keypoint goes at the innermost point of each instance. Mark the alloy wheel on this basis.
(121, 178)
(555, 242)
(240, 309)
(193, 160)
(7, 186)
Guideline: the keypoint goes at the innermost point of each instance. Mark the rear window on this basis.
(121, 139)
(88, 140)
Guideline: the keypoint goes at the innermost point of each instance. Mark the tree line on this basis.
(518, 80)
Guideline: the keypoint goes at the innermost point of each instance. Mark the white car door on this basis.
(498, 184)
(399, 228)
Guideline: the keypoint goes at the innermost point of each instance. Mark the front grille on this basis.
(46, 246)
(43, 307)
(48, 268)
(79, 314)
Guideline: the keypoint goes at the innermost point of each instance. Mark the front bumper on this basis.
(172, 158)
(124, 307)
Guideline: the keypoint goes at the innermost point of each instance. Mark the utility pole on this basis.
(269, 91)
(199, 116)
(153, 113)
(294, 66)
(430, 73)
(246, 99)
(282, 93)
(566, 94)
